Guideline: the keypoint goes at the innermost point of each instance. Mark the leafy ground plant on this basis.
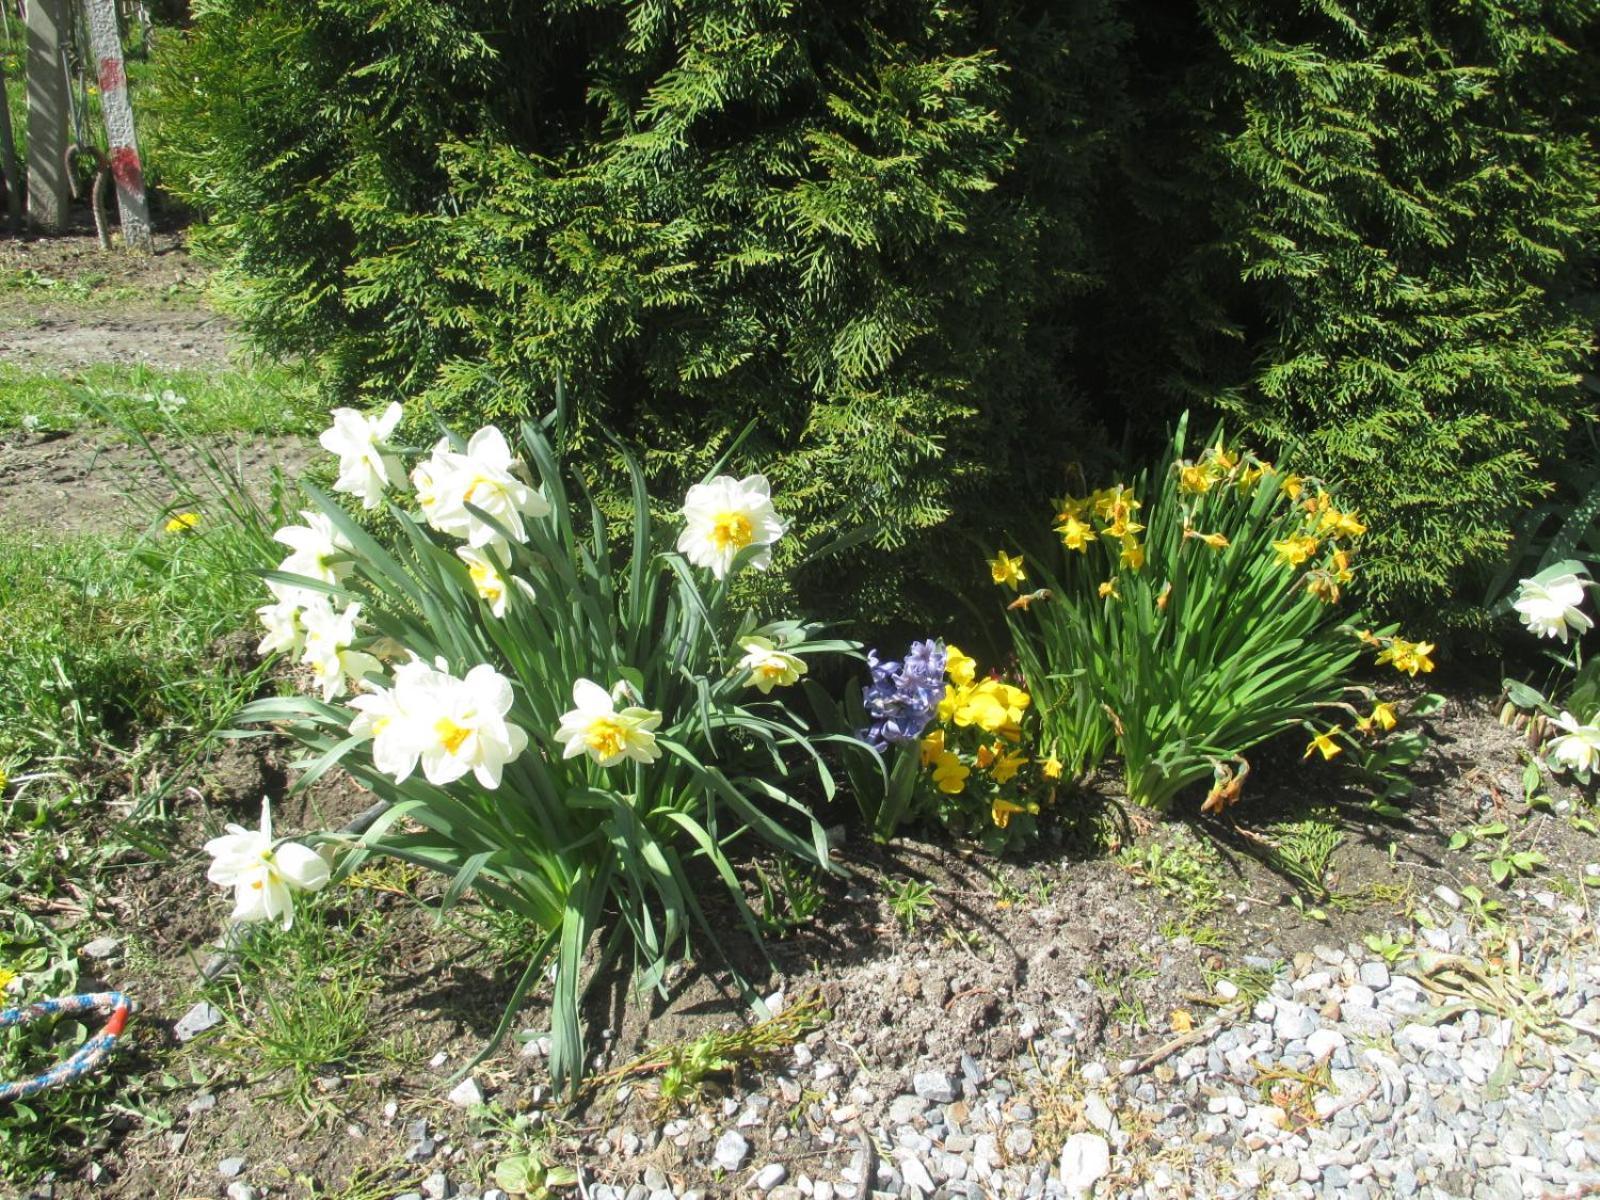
(1192, 615)
(573, 730)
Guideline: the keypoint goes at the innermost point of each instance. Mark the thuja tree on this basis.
(852, 224)
(1364, 228)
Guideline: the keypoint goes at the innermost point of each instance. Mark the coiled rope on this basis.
(88, 1057)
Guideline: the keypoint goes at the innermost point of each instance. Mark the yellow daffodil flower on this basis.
(1050, 768)
(1341, 566)
(1215, 540)
(1410, 657)
(1292, 486)
(1294, 551)
(1194, 479)
(1076, 534)
(962, 668)
(985, 756)
(1001, 811)
(1109, 588)
(1132, 555)
(1007, 570)
(1007, 765)
(1323, 586)
(1324, 743)
(950, 774)
(1383, 716)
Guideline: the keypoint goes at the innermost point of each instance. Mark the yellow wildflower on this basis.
(1007, 570)
(1324, 742)
(6, 976)
(961, 667)
(932, 747)
(1050, 768)
(1076, 534)
(1294, 551)
(182, 523)
(950, 774)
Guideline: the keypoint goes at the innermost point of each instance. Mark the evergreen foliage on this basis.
(849, 223)
(1384, 274)
(906, 236)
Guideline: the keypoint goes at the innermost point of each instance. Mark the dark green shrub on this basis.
(850, 223)
(1364, 228)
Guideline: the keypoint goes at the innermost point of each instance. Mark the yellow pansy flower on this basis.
(953, 699)
(1007, 570)
(932, 747)
(1324, 742)
(950, 774)
(961, 667)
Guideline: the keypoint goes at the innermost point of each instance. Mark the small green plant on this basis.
(1482, 910)
(1252, 983)
(910, 900)
(1492, 843)
(791, 897)
(1192, 617)
(1182, 867)
(1387, 946)
(1303, 851)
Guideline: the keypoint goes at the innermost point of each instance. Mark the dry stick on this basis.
(234, 938)
(1181, 1042)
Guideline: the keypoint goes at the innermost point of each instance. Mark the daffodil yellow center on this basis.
(470, 495)
(486, 581)
(731, 531)
(605, 737)
(450, 734)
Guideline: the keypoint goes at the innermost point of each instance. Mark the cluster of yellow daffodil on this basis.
(1410, 657)
(977, 756)
(1324, 538)
(1113, 509)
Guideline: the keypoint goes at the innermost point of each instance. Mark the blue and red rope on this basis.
(88, 1057)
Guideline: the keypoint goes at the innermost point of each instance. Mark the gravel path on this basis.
(1467, 1068)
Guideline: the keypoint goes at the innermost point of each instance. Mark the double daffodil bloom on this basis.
(327, 641)
(608, 736)
(768, 666)
(724, 516)
(367, 467)
(451, 727)
(486, 476)
(264, 876)
(1579, 747)
(1550, 609)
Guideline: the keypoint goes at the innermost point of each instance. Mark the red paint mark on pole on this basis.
(126, 169)
(111, 75)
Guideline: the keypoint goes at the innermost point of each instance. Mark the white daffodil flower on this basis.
(328, 636)
(769, 667)
(1578, 748)
(723, 517)
(487, 477)
(264, 877)
(285, 630)
(488, 579)
(596, 728)
(315, 550)
(367, 468)
(451, 726)
(1550, 609)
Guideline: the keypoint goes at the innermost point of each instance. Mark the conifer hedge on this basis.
(909, 237)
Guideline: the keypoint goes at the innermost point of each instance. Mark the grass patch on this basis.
(267, 400)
